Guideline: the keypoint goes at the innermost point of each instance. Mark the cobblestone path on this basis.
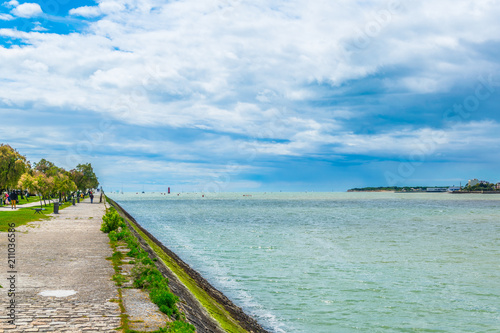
(62, 279)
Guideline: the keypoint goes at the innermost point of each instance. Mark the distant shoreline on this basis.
(389, 191)
(408, 192)
(475, 192)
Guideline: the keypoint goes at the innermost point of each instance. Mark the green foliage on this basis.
(112, 235)
(63, 183)
(178, 327)
(37, 182)
(165, 300)
(46, 167)
(111, 221)
(115, 236)
(119, 279)
(146, 276)
(45, 178)
(390, 188)
(84, 177)
(12, 166)
(481, 187)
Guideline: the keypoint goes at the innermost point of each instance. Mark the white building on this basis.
(453, 188)
(473, 182)
(437, 189)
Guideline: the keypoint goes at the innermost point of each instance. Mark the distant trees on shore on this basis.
(389, 188)
(483, 186)
(43, 178)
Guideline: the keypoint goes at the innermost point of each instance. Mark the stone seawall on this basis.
(196, 313)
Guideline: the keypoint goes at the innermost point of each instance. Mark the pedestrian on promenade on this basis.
(13, 200)
(91, 197)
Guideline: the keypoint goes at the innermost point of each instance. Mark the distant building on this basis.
(497, 186)
(437, 189)
(453, 188)
(473, 182)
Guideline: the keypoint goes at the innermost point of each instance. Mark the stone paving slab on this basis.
(66, 253)
(143, 314)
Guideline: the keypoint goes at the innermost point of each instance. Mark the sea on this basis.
(339, 262)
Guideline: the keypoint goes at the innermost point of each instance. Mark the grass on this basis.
(26, 215)
(216, 310)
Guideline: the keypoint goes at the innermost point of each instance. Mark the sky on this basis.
(261, 95)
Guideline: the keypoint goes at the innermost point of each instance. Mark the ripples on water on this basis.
(340, 262)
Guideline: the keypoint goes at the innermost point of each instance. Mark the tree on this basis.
(63, 183)
(12, 166)
(38, 183)
(46, 167)
(84, 177)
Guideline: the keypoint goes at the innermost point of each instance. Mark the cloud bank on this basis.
(262, 82)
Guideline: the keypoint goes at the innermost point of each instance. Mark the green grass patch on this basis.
(22, 216)
(119, 279)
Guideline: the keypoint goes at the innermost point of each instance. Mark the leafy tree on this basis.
(12, 166)
(46, 167)
(63, 183)
(84, 177)
(38, 183)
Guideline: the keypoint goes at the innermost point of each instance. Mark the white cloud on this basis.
(86, 11)
(27, 10)
(38, 27)
(12, 3)
(105, 7)
(6, 17)
(245, 68)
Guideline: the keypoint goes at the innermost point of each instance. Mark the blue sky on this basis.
(255, 95)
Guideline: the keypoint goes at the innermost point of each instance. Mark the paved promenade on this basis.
(62, 280)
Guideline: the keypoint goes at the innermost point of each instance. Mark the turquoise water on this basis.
(340, 262)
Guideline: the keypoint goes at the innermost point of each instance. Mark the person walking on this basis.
(91, 197)
(13, 200)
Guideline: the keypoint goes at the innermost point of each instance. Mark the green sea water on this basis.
(340, 262)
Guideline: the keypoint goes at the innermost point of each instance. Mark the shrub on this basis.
(148, 277)
(164, 299)
(111, 221)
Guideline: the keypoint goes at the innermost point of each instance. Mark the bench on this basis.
(38, 210)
